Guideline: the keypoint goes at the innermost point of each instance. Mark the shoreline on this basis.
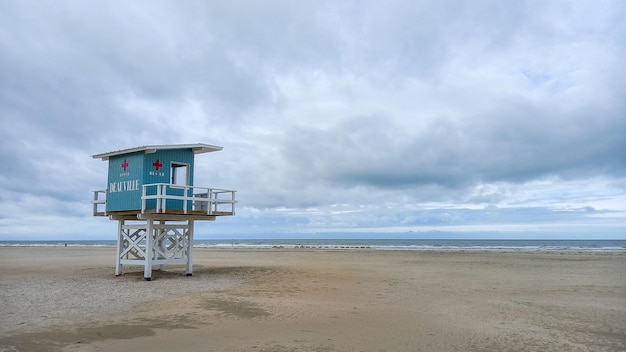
(68, 299)
(600, 246)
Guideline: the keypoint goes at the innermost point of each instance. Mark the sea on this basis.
(616, 246)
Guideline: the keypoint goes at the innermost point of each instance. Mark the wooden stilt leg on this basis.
(120, 243)
(147, 271)
(190, 248)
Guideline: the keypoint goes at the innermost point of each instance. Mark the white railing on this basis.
(98, 201)
(211, 201)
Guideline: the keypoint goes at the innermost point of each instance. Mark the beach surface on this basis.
(68, 299)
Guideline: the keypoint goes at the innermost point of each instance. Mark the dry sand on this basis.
(68, 299)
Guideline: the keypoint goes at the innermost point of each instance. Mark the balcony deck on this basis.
(206, 205)
(167, 212)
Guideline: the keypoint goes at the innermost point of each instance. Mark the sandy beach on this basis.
(68, 299)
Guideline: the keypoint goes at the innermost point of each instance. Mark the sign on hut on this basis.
(150, 192)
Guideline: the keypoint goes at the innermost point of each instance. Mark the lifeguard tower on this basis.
(151, 194)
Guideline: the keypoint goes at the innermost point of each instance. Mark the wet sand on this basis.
(68, 299)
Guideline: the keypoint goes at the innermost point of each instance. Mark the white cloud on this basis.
(346, 116)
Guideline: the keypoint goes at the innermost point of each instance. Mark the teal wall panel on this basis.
(124, 182)
(128, 172)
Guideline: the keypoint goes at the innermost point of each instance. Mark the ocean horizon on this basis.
(618, 246)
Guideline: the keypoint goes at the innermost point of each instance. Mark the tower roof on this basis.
(197, 148)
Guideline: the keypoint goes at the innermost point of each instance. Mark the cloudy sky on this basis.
(409, 118)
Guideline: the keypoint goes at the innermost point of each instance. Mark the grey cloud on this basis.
(514, 143)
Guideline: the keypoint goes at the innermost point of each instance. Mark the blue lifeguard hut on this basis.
(150, 192)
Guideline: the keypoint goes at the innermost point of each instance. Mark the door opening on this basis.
(180, 174)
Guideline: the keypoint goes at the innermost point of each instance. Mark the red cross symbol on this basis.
(124, 164)
(157, 164)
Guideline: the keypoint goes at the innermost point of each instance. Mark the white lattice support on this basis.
(130, 244)
(158, 235)
(154, 242)
(170, 243)
(133, 243)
